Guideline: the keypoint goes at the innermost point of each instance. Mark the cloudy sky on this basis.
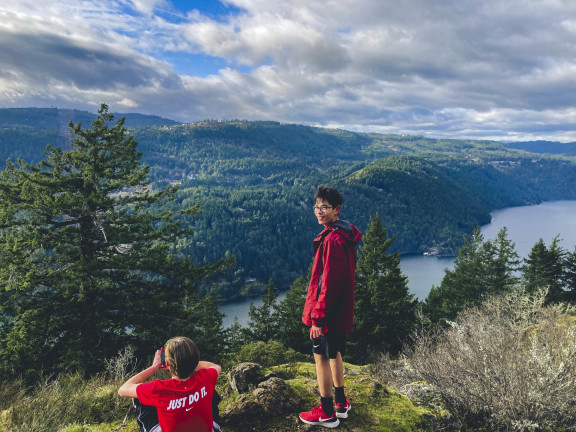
(488, 69)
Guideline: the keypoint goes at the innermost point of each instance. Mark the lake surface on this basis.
(526, 225)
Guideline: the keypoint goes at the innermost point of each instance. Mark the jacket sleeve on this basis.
(333, 277)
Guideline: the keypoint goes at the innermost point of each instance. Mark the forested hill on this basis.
(255, 182)
(25, 132)
(567, 149)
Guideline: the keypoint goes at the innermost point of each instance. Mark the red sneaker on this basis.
(318, 417)
(342, 409)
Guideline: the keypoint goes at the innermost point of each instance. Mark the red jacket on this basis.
(330, 298)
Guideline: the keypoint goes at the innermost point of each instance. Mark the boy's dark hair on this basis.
(331, 195)
(182, 355)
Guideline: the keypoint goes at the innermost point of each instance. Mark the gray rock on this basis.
(271, 398)
(244, 377)
(274, 396)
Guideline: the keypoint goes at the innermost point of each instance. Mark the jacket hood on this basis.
(346, 230)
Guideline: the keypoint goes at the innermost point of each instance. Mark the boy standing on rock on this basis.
(329, 307)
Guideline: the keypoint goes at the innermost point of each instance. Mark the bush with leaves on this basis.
(271, 353)
(508, 364)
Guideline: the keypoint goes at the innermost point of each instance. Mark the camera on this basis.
(163, 364)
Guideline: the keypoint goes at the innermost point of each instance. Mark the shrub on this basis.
(269, 353)
(10, 391)
(55, 403)
(123, 366)
(509, 364)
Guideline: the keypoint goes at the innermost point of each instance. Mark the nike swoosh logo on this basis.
(188, 409)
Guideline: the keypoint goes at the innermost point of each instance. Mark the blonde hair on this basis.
(182, 355)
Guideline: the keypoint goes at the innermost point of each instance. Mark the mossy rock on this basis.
(375, 407)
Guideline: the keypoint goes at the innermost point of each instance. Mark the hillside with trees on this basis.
(549, 147)
(100, 264)
(254, 182)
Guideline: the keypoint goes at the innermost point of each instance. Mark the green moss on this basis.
(374, 407)
(115, 426)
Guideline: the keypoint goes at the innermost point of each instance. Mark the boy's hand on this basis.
(157, 361)
(316, 332)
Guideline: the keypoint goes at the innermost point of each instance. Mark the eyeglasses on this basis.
(321, 209)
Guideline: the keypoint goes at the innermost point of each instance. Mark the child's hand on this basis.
(157, 361)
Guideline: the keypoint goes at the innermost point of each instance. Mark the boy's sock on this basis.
(339, 396)
(327, 405)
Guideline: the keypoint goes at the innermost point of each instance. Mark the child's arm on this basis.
(128, 389)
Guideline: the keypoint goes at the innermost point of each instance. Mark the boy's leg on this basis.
(146, 416)
(324, 414)
(337, 367)
(337, 370)
(324, 375)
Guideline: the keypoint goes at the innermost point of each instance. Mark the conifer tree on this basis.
(262, 324)
(384, 313)
(292, 332)
(87, 256)
(570, 275)
(234, 337)
(481, 268)
(544, 268)
(204, 324)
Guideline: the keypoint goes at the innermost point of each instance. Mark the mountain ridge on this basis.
(255, 182)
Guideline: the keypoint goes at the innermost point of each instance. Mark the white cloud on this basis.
(453, 68)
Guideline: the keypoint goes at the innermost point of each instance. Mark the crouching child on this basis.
(182, 403)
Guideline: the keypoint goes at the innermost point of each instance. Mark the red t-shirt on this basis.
(183, 406)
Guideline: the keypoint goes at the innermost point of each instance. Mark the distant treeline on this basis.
(255, 182)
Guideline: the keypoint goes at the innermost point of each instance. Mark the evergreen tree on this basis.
(384, 313)
(502, 263)
(481, 268)
(204, 325)
(234, 337)
(544, 267)
(292, 332)
(87, 262)
(262, 325)
(570, 275)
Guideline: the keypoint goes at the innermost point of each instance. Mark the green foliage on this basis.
(203, 323)
(75, 404)
(255, 181)
(568, 149)
(292, 331)
(384, 312)
(269, 353)
(262, 323)
(68, 399)
(234, 337)
(88, 261)
(481, 268)
(544, 269)
(570, 275)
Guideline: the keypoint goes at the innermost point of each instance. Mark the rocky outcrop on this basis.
(243, 376)
(260, 397)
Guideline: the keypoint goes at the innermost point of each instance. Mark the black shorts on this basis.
(330, 344)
